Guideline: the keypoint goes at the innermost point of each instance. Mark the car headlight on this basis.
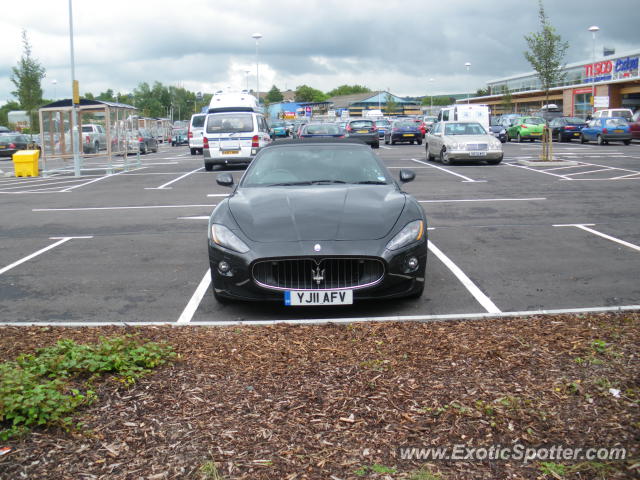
(226, 238)
(503, 131)
(412, 232)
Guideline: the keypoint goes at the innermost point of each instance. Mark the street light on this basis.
(431, 80)
(54, 82)
(75, 133)
(468, 65)
(257, 36)
(593, 29)
(246, 73)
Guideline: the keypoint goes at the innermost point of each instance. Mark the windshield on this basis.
(404, 125)
(313, 165)
(278, 124)
(230, 123)
(361, 124)
(534, 121)
(464, 129)
(616, 122)
(198, 121)
(322, 129)
(574, 120)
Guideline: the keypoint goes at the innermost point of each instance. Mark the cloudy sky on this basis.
(205, 45)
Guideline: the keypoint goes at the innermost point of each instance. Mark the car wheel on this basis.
(627, 142)
(582, 139)
(393, 142)
(444, 157)
(376, 145)
(386, 141)
(201, 151)
(193, 151)
(96, 147)
(600, 140)
(520, 140)
(507, 138)
(143, 149)
(208, 167)
(419, 142)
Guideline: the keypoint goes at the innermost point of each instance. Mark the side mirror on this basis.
(225, 179)
(407, 175)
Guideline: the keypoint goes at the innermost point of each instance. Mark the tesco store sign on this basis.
(611, 69)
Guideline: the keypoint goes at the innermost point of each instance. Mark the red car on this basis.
(634, 125)
(421, 126)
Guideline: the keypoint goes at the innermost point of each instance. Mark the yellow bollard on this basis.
(25, 163)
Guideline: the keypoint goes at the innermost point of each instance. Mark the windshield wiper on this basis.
(286, 184)
(370, 182)
(319, 182)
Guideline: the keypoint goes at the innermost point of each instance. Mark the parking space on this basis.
(131, 247)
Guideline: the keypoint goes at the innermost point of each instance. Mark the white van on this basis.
(614, 112)
(234, 130)
(466, 113)
(195, 132)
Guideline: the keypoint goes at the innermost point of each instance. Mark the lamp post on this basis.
(246, 74)
(431, 95)
(467, 65)
(257, 36)
(593, 29)
(75, 133)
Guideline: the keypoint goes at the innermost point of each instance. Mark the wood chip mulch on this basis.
(338, 401)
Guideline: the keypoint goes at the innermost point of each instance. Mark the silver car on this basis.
(468, 141)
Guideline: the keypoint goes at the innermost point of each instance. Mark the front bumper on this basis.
(473, 156)
(396, 282)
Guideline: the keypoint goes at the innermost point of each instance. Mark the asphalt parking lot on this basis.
(131, 247)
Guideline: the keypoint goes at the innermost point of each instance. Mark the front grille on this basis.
(318, 273)
(474, 147)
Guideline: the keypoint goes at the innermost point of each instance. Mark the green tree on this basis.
(5, 109)
(274, 95)
(546, 53)
(305, 93)
(482, 92)
(106, 96)
(348, 90)
(390, 105)
(147, 100)
(27, 78)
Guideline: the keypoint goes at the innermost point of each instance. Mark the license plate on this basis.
(535, 133)
(3, 146)
(407, 135)
(477, 154)
(618, 131)
(318, 297)
(362, 131)
(576, 134)
(230, 152)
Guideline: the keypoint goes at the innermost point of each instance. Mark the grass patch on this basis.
(46, 387)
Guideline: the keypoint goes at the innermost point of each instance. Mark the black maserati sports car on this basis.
(317, 222)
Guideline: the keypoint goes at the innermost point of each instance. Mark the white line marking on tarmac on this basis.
(386, 148)
(485, 200)
(60, 241)
(198, 217)
(585, 227)
(346, 320)
(485, 301)
(116, 208)
(589, 171)
(466, 179)
(217, 195)
(196, 298)
(162, 187)
(98, 179)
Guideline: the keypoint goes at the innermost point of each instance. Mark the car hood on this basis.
(313, 213)
(469, 138)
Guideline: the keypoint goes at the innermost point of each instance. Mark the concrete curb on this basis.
(552, 163)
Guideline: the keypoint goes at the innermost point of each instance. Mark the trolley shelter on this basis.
(107, 137)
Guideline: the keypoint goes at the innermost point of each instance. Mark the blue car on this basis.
(321, 130)
(605, 130)
(279, 129)
(403, 131)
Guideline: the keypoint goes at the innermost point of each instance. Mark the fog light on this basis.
(224, 267)
(412, 263)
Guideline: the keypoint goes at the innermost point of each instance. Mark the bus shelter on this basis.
(107, 140)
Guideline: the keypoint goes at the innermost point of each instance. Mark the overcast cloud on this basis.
(207, 45)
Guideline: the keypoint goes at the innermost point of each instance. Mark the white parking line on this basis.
(485, 200)
(116, 208)
(163, 187)
(466, 179)
(386, 148)
(585, 227)
(196, 298)
(485, 301)
(60, 241)
(98, 179)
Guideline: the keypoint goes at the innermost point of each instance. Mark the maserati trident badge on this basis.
(317, 274)
(317, 247)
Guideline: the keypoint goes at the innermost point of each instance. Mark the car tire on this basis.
(600, 140)
(386, 141)
(444, 157)
(582, 139)
(143, 149)
(419, 142)
(376, 145)
(208, 167)
(193, 151)
(507, 138)
(520, 140)
(393, 142)
(531, 139)
(96, 147)
(627, 142)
